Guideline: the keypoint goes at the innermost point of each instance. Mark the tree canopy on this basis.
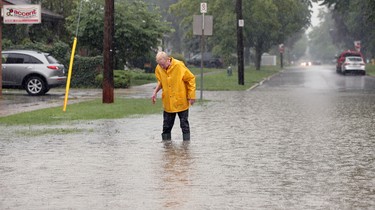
(267, 23)
(321, 46)
(137, 30)
(354, 20)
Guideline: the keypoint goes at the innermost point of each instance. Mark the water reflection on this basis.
(176, 180)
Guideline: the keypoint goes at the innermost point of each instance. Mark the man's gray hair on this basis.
(161, 55)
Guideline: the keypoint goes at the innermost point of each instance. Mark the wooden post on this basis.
(241, 79)
(108, 84)
(1, 49)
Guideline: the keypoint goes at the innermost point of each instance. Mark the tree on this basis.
(267, 23)
(320, 44)
(272, 22)
(137, 30)
(354, 20)
(262, 27)
(50, 31)
(299, 48)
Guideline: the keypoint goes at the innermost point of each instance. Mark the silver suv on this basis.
(34, 71)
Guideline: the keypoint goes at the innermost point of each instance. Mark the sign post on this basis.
(202, 25)
(281, 50)
(203, 11)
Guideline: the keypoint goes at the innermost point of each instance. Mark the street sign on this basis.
(281, 48)
(357, 45)
(197, 25)
(241, 23)
(203, 7)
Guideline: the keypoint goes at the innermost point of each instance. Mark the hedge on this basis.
(85, 70)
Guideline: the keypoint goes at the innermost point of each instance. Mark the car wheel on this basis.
(35, 86)
(46, 90)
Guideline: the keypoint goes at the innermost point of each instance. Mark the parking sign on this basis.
(203, 7)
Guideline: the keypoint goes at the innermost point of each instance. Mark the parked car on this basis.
(341, 59)
(209, 60)
(34, 71)
(353, 64)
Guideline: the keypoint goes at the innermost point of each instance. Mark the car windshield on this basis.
(51, 59)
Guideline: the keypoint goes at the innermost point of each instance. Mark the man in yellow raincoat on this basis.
(178, 93)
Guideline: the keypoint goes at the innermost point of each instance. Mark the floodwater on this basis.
(301, 140)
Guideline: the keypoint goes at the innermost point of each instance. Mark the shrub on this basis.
(121, 79)
(59, 50)
(85, 70)
(127, 78)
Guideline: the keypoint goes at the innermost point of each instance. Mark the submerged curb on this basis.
(266, 79)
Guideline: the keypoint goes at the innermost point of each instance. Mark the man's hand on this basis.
(153, 98)
(191, 101)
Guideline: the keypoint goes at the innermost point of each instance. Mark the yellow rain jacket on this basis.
(178, 86)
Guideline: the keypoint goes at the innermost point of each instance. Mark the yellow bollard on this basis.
(69, 73)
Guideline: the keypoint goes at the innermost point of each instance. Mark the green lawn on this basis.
(221, 81)
(89, 110)
(370, 69)
(213, 79)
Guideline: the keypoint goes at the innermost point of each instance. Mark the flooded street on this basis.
(304, 139)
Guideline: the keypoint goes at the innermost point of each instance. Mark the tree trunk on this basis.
(258, 58)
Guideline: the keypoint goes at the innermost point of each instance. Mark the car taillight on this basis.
(53, 67)
(346, 63)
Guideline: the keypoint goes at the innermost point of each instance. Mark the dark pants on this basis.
(169, 118)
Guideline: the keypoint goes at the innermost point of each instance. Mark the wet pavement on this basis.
(304, 139)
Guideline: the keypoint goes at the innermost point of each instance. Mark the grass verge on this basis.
(370, 69)
(220, 81)
(88, 110)
(213, 79)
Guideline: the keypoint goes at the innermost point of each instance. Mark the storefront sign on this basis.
(22, 14)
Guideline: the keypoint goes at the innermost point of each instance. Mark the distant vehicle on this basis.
(306, 63)
(209, 60)
(34, 71)
(341, 59)
(353, 64)
(317, 62)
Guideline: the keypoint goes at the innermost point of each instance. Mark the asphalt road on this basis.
(304, 139)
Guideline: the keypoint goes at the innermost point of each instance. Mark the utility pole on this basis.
(1, 49)
(281, 50)
(108, 84)
(240, 60)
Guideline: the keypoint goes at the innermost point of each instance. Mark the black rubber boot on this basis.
(166, 136)
(186, 136)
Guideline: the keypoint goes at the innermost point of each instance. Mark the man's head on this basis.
(163, 59)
